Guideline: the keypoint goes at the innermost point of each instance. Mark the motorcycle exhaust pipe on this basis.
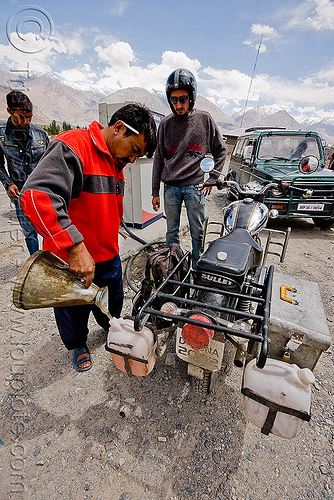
(240, 356)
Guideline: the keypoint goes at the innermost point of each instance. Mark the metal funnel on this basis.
(45, 281)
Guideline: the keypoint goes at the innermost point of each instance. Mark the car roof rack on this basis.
(251, 129)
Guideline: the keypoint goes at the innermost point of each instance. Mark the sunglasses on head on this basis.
(183, 99)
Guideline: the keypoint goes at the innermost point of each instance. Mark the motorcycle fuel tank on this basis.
(246, 214)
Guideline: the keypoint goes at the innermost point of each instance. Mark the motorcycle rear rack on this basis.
(261, 319)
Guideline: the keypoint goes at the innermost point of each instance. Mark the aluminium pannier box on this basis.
(298, 328)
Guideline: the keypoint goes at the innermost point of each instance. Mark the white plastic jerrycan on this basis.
(277, 398)
(132, 352)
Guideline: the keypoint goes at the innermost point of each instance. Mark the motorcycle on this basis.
(226, 297)
(233, 297)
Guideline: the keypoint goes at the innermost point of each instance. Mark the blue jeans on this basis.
(195, 206)
(29, 232)
(72, 321)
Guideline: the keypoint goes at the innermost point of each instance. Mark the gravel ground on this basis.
(101, 435)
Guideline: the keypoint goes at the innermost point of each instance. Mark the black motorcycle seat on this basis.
(242, 236)
(231, 255)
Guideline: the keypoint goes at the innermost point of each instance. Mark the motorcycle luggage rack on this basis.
(263, 319)
(206, 231)
(283, 244)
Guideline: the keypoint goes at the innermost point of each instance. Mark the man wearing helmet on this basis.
(184, 138)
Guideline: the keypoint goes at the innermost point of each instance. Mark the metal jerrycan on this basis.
(45, 281)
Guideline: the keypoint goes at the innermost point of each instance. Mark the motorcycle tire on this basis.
(204, 386)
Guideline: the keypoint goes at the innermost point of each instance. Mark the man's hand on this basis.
(156, 203)
(206, 190)
(81, 263)
(13, 191)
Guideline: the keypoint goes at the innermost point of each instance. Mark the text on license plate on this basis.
(315, 207)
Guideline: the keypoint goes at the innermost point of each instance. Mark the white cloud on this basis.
(74, 45)
(327, 75)
(173, 60)
(41, 54)
(224, 85)
(305, 94)
(117, 55)
(315, 15)
(39, 62)
(263, 29)
(259, 34)
(302, 114)
(123, 70)
(229, 90)
(117, 67)
(82, 79)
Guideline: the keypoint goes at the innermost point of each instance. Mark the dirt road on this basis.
(101, 435)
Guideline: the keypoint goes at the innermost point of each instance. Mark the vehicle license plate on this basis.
(209, 358)
(315, 207)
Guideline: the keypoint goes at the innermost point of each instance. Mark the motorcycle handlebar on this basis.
(262, 191)
(221, 184)
(218, 184)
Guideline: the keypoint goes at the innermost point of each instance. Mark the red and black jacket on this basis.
(76, 194)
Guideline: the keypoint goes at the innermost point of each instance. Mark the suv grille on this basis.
(320, 190)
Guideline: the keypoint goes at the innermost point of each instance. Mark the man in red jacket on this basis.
(74, 199)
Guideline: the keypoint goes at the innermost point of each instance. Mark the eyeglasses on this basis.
(128, 126)
(182, 99)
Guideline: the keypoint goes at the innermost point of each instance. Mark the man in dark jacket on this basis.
(185, 137)
(74, 198)
(22, 146)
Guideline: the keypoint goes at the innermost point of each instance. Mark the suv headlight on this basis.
(277, 191)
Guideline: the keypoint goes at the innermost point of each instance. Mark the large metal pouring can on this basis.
(45, 281)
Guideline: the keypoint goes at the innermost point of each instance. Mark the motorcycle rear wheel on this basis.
(206, 384)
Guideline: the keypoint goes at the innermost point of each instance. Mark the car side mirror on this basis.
(248, 152)
(308, 165)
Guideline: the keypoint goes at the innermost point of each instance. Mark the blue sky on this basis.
(115, 44)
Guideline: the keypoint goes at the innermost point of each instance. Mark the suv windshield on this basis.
(287, 147)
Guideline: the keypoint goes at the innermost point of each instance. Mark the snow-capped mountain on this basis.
(274, 116)
(53, 100)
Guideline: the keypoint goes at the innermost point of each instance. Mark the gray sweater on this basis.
(183, 141)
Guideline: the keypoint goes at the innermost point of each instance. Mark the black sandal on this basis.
(76, 362)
